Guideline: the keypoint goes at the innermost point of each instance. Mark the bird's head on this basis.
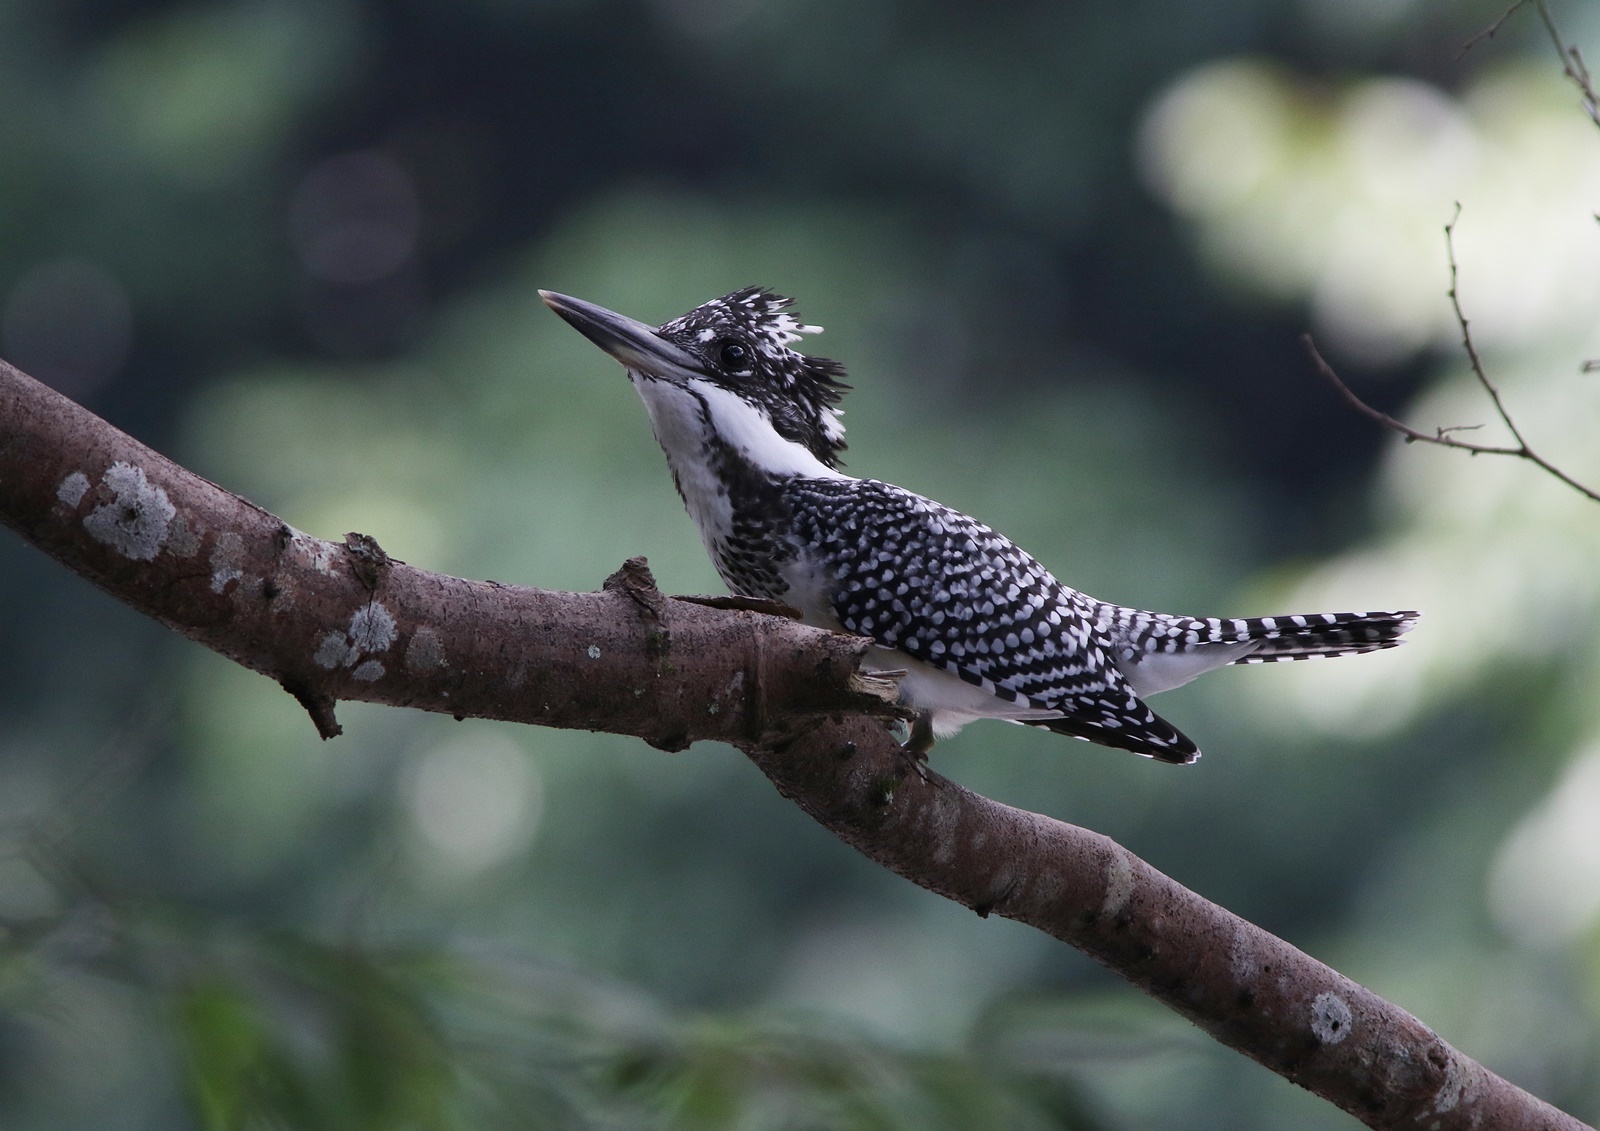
(741, 344)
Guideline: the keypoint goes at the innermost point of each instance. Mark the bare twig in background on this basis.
(329, 623)
(1493, 29)
(1572, 64)
(1444, 436)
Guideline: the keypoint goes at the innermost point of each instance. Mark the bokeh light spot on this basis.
(1544, 883)
(68, 323)
(475, 801)
(355, 218)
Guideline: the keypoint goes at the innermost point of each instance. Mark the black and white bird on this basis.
(751, 431)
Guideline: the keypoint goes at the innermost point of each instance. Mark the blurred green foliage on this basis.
(1064, 250)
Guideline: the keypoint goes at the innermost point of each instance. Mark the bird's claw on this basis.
(918, 743)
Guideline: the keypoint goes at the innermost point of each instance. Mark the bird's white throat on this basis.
(687, 416)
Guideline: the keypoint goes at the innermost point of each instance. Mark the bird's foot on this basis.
(918, 743)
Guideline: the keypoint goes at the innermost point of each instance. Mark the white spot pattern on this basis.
(981, 628)
(136, 521)
(227, 558)
(1330, 1018)
(372, 629)
(73, 488)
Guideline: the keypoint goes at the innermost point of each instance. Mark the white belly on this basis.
(951, 701)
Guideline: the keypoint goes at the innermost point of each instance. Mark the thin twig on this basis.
(1440, 436)
(1572, 63)
(1466, 339)
(1444, 436)
(1573, 66)
(1490, 31)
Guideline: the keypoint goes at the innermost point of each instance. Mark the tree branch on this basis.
(332, 621)
(1444, 435)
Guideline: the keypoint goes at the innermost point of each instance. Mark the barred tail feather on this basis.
(1310, 636)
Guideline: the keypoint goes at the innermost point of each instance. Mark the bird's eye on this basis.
(735, 355)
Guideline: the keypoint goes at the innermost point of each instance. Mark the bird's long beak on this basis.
(637, 346)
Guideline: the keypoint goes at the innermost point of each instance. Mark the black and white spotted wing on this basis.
(949, 591)
(752, 435)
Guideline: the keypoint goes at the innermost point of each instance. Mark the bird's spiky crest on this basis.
(798, 392)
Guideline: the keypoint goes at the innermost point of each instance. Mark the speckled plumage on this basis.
(979, 627)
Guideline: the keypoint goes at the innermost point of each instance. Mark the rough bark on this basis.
(334, 621)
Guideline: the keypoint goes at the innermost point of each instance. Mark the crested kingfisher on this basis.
(978, 628)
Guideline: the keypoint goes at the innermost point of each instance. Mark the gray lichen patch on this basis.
(181, 540)
(227, 560)
(1459, 1081)
(334, 651)
(942, 828)
(135, 522)
(1119, 885)
(368, 671)
(314, 552)
(1242, 961)
(1330, 1018)
(73, 488)
(425, 651)
(372, 629)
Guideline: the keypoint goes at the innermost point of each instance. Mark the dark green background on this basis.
(211, 919)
